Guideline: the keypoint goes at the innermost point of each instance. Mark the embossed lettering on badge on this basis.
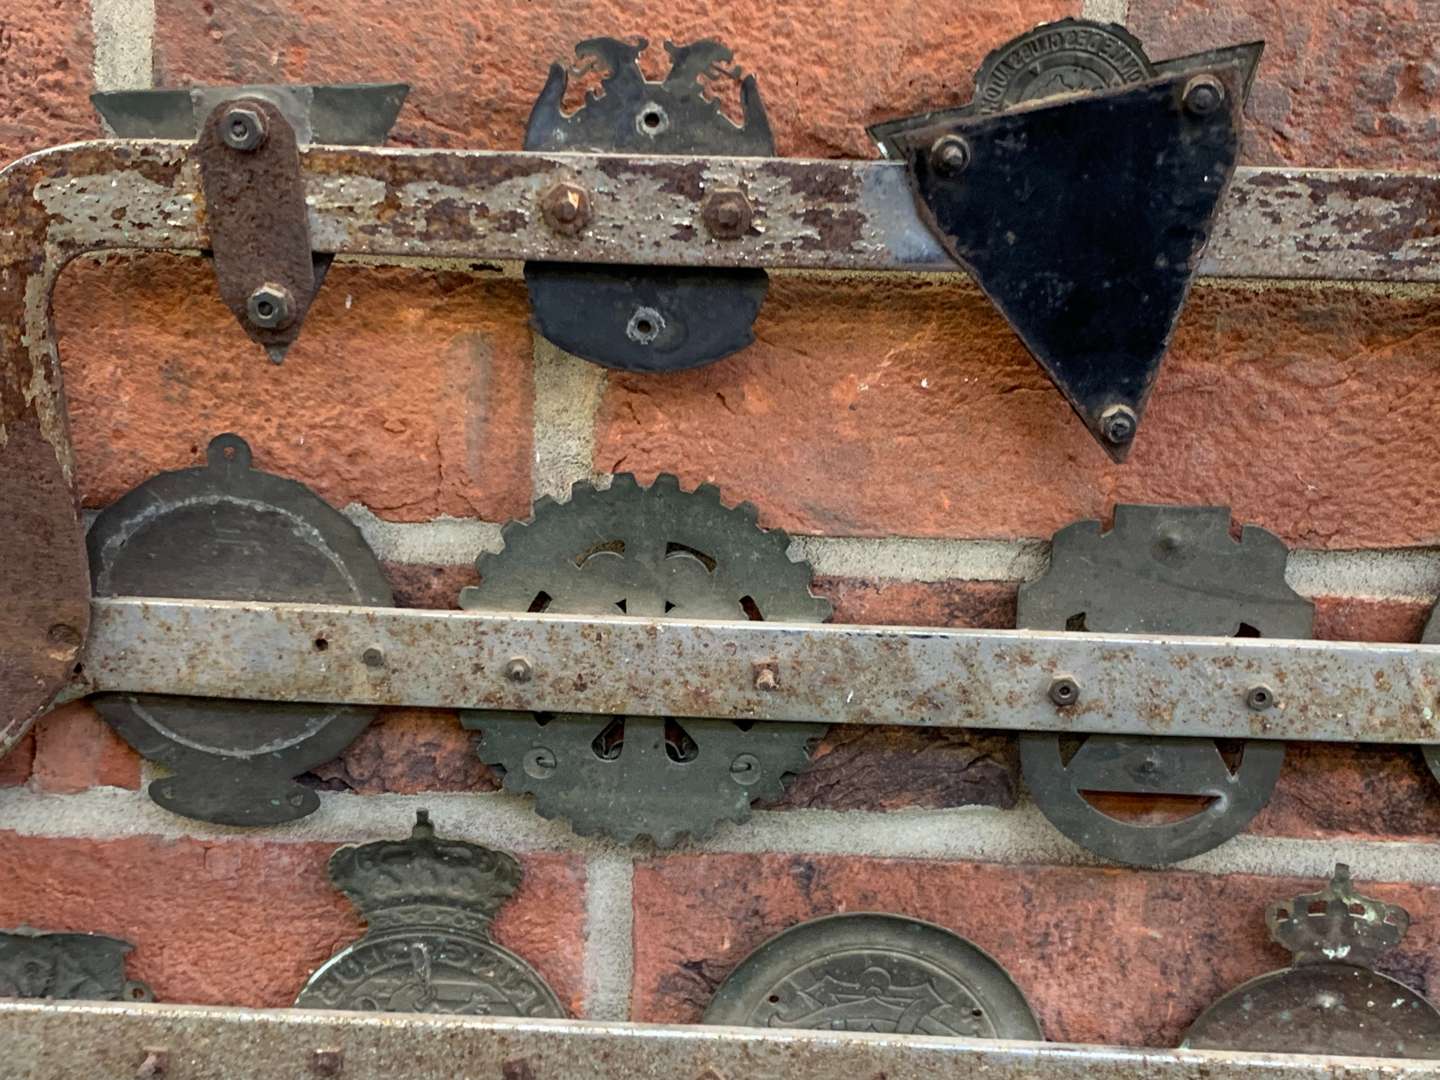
(874, 972)
(429, 903)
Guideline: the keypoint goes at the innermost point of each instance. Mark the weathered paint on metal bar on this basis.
(849, 215)
(830, 674)
(66, 1040)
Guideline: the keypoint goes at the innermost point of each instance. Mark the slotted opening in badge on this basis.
(1144, 808)
(680, 747)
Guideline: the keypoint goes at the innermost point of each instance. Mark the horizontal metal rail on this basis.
(830, 674)
(1339, 224)
(68, 1040)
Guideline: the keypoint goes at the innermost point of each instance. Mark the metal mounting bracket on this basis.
(401, 204)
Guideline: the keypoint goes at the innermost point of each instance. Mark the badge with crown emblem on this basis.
(429, 903)
(1331, 1000)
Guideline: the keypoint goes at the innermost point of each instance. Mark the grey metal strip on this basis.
(1337, 224)
(178, 1042)
(831, 674)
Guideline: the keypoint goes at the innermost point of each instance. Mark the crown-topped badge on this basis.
(1337, 924)
(1330, 1000)
(429, 903)
(402, 882)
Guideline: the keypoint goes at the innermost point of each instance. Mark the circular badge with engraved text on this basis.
(1068, 57)
(874, 972)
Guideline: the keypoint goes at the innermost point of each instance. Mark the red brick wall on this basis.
(894, 421)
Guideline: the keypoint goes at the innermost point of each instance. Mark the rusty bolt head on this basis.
(1259, 698)
(243, 128)
(1064, 691)
(727, 214)
(1117, 424)
(566, 208)
(950, 155)
(767, 678)
(518, 670)
(1203, 95)
(270, 307)
(327, 1062)
(373, 657)
(156, 1062)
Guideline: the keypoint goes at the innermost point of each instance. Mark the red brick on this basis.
(45, 61)
(1363, 618)
(904, 407)
(76, 750)
(429, 586)
(1104, 955)
(407, 752)
(986, 604)
(408, 391)
(1342, 82)
(476, 70)
(15, 766)
(244, 922)
(1353, 791)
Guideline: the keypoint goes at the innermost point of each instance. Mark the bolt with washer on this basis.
(1203, 95)
(1064, 691)
(1117, 424)
(270, 307)
(950, 155)
(727, 214)
(243, 128)
(566, 208)
(518, 670)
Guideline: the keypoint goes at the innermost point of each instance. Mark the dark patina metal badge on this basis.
(1160, 570)
(429, 903)
(1331, 1000)
(69, 966)
(226, 531)
(874, 972)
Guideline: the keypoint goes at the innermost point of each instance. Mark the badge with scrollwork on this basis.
(429, 903)
(68, 966)
(874, 972)
(1331, 1000)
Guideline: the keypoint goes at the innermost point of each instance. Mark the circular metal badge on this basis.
(874, 972)
(1071, 56)
(226, 531)
(429, 970)
(1321, 1008)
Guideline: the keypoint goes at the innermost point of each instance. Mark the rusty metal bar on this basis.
(829, 674)
(146, 195)
(65, 1040)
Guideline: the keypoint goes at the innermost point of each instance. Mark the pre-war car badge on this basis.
(429, 903)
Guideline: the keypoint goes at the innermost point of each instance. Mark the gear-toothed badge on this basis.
(66, 966)
(648, 318)
(429, 903)
(647, 551)
(874, 972)
(227, 531)
(1331, 1000)
(1159, 570)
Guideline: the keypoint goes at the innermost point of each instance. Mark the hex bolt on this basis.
(950, 155)
(155, 1063)
(645, 325)
(327, 1062)
(1259, 698)
(1117, 424)
(767, 678)
(539, 763)
(1064, 691)
(518, 670)
(727, 214)
(566, 208)
(270, 307)
(373, 657)
(243, 128)
(1203, 95)
(745, 769)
